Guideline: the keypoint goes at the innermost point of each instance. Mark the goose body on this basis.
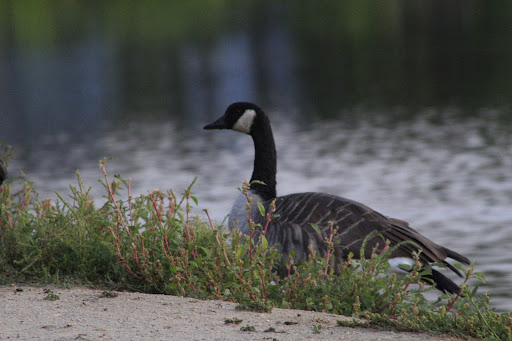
(295, 214)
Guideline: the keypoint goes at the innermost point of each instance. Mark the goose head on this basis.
(240, 116)
(250, 119)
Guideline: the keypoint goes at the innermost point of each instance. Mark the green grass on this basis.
(152, 243)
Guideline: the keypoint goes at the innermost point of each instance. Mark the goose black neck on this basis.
(265, 158)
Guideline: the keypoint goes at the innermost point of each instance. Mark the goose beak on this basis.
(219, 124)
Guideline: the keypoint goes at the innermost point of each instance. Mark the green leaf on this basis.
(261, 208)
(194, 199)
(257, 182)
(458, 266)
(264, 242)
(241, 251)
(473, 292)
(479, 276)
(405, 267)
(316, 228)
(206, 251)
(173, 269)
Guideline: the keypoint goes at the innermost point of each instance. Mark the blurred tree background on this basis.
(185, 57)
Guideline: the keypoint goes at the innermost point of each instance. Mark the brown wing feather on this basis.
(296, 213)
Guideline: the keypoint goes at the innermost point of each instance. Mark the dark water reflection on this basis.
(404, 106)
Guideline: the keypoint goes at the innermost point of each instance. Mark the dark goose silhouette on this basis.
(3, 172)
(292, 228)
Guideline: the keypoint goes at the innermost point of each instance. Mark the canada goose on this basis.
(293, 230)
(3, 172)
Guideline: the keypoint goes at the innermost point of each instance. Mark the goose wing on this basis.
(302, 221)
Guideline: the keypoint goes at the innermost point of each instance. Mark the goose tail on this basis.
(441, 282)
(457, 256)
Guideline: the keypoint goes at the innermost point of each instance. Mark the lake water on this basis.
(411, 117)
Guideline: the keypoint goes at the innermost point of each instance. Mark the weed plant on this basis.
(152, 243)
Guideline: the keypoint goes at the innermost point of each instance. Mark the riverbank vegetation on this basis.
(153, 243)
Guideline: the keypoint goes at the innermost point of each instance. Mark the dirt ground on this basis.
(83, 314)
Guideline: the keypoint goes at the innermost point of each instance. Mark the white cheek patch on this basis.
(244, 123)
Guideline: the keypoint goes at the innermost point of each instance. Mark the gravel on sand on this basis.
(28, 313)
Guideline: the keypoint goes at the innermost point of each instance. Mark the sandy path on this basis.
(82, 314)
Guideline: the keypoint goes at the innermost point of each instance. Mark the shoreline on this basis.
(83, 314)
